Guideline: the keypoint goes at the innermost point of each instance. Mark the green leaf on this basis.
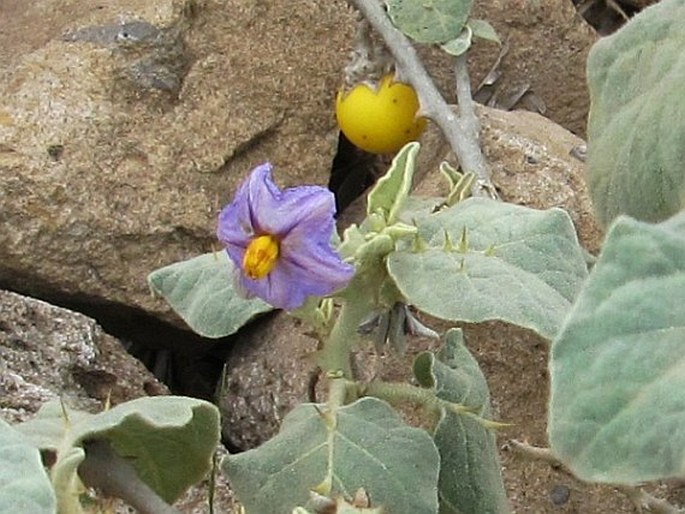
(430, 21)
(636, 129)
(170, 440)
(459, 184)
(470, 477)
(201, 291)
(460, 44)
(617, 410)
(361, 445)
(483, 30)
(392, 189)
(499, 261)
(24, 484)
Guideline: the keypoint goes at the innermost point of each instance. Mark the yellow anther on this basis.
(261, 256)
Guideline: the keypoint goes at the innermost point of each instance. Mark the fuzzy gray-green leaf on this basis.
(362, 445)
(169, 439)
(201, 291)
(483, 30)
(520, 265)
(392, 189)
(24, 484)
(470, 477)
(430, 21)
(460, 44)
(618, 367)
(636, 129)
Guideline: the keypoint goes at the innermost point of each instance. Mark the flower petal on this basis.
(280, 211)
(314, 274)
(302, 218)
(236, 227)
(290, 284)
(236, 223)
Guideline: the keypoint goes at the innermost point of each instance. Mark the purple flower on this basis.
(281, 241)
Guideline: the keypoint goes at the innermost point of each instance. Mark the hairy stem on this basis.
(460, 131)
(535, 453)
(115, 476)
(397, 393)
(337, 393)
(335, 356)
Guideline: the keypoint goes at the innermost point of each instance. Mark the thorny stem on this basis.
(337, 393)
(395, 393)
(461, 131)
(639, 498)
(335, 354)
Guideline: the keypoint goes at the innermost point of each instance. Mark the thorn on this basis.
(420, 244)
(463, 246)
(449, 245)
(462, 265)
(65, 411)
(495, 425)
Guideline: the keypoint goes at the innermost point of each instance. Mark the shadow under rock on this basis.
(188, 364)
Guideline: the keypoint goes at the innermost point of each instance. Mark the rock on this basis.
(559, 494)
(125, 128)
(534, 162)
(269, 369)
(196, 499)
(547, 44)
(48, 353)
(266, 376)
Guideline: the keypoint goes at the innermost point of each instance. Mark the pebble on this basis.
(559, 494)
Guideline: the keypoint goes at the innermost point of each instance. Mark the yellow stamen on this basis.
(261, 256)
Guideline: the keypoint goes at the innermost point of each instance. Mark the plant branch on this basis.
(334, 356)
(397, 393)
(639, 498)
(115, 476)
(460, 130)
(535, 453)
(643, 500)
(464, 97)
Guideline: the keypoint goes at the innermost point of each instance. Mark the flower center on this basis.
(261, 256)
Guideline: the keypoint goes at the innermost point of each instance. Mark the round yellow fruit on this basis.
(380, 120)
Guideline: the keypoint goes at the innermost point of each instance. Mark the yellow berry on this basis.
(380, 120)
